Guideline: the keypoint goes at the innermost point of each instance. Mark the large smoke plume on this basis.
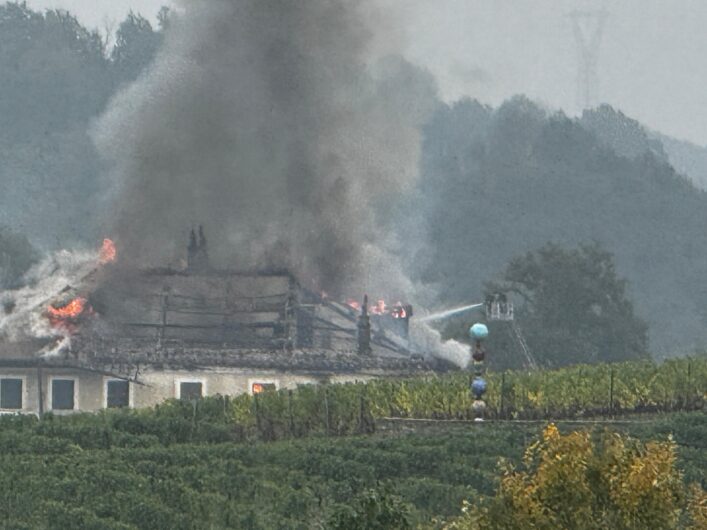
(282, 128)
(275, 125)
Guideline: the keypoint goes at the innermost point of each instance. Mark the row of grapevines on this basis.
(577, 391)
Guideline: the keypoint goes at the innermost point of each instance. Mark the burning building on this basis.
(289, 130)
(134, 337)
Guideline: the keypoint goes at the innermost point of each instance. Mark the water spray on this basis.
(440, 315)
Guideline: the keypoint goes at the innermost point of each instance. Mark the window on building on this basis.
(117, 394)
(10, 393)
(257, 388)
(190, 390)
(62, 394)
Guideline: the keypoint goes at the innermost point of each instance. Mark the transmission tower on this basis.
(588, 28)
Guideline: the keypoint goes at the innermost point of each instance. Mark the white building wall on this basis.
(155, 386)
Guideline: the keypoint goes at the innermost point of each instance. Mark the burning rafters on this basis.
(397, 310)
(71, 310)
(61, 316)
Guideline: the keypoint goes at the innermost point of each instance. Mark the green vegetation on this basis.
(339, 410)
(207, 463)
(16, 257)
(571, 306)
(57, 77)
(499, 182)
(585, 482)
(163, 468)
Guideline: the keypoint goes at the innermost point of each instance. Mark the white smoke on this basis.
(23, 315)
(427, 339)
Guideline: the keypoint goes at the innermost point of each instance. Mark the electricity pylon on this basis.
(588, 28)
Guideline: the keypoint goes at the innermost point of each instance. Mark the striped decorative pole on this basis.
(478, 332)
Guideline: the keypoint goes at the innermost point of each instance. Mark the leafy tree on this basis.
(574, 308)
(373, 509)
(135, 47)
(16, 256)
(624, 135)
(573, 481)
(57, 77)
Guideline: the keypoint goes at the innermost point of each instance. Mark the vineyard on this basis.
(183, 464)
(128, 471)
(569, 393)
(579, 392)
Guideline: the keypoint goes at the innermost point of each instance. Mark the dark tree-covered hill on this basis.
(57, 76)
(500, 182)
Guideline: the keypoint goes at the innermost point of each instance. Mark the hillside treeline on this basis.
(57, 77)
(500, 182)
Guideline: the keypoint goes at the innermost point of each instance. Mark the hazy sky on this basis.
(652, 62)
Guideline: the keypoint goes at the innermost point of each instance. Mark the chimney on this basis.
(192, 249)
(197, 255)
(364, 329)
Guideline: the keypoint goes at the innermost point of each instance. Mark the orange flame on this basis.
(259, 388)
(379, 309)
(70, 310)
(399, 311)
(353, 304)
(107, 253)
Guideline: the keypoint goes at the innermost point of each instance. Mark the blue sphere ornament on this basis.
(478, 331)
(478, 387)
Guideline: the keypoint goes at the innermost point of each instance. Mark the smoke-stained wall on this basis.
(275, 125)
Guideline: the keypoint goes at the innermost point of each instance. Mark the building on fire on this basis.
(138, 337)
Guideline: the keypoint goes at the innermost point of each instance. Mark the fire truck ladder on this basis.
(530, 359)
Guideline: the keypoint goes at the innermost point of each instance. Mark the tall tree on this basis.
(135, 47)
(16, 256)
(574, 307)
(56, 79)
(573, 481)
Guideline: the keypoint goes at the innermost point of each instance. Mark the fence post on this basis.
(611, 392)
(326, 411)
(364, 426)
(361, 426)
(257, 415)
(503, 391)
(688, 390)
(289, 411)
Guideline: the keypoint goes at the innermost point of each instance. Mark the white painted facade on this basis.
(154, 386)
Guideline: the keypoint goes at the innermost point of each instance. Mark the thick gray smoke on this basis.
(273, 124)
(276, 125)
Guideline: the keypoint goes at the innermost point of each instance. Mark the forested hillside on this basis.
(499, 182)
(57, 76)
(686, 157)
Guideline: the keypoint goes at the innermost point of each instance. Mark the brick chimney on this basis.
(364, 329)
(197, 254)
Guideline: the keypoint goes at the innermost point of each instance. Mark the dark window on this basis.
(63, 394)
(11, 393)
(117, 394)
(190, 391)
(257, 388)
